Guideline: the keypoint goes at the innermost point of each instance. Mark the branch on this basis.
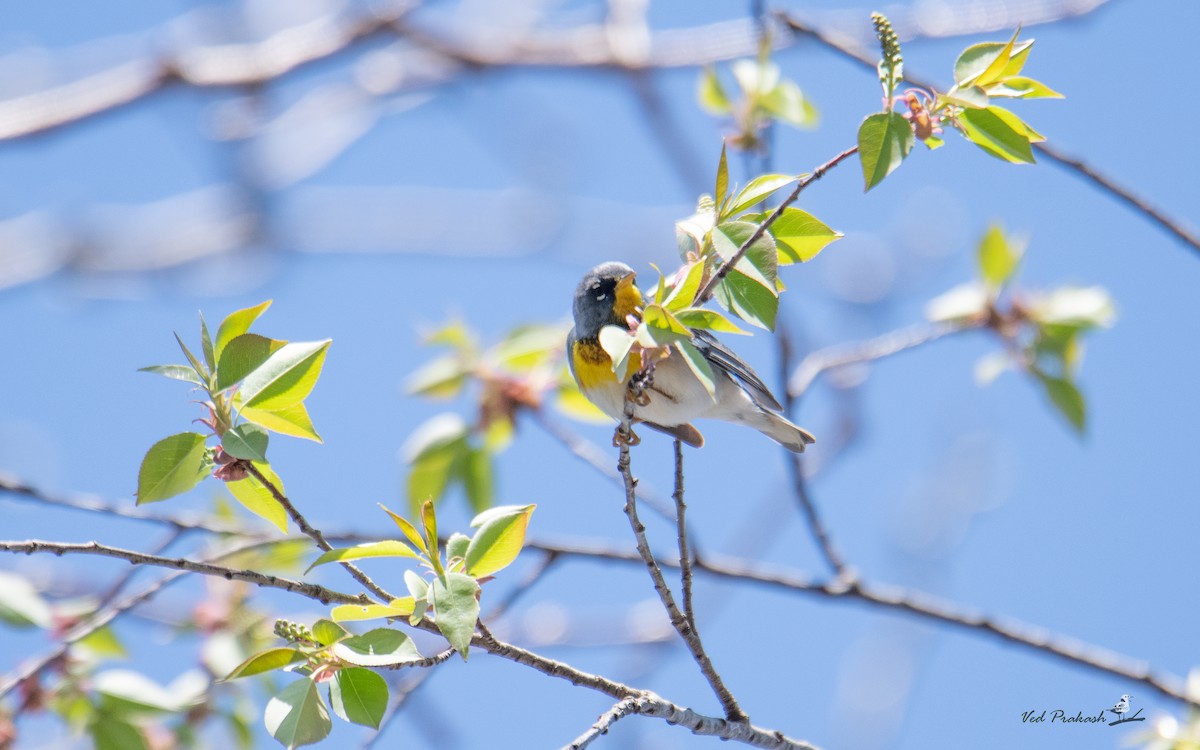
(686, 629)
(823, 360)
(619, 711)
(1107, 184)
(909, 602)
(707, 290)
(92, 504)
(685, 558)
(315, 534)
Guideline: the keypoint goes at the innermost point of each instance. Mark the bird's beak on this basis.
(626, 281)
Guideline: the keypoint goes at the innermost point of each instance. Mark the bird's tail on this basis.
(779, 429)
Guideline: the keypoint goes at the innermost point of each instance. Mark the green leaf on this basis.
(248, 441)
(171, 467)
(998, 258)
(130, 693)
(697, 317)
(242, 356)
(789, 104)
(287, 377)
(401, 607)
(199, 368)
(1066, 398)
(429, 522)
(409, 530)
(998, 132)
(800, 236)
(257, 498)
(99, 644)
(617, 342)
(884, 139)
(290, 420)
(683, 292)
(971, 97)
(433, 451)
(175, 372)
(442, 378)
(266, 661)
(978, 59)
(699, 367)
(710, 94)
(1018, 87)
(235, 324)
(456, 547)
(933, 143)
(206, 344)
(498, 541)
(380, 647)
(359, 695)
(758, 190)
(111, 733)
(476, 473)
(456, 607)
(298, 716)
(328, 632)
(748, 299)
(761, 261)
(722, 179)
(661, 328)
(386, 548)
(20, 603)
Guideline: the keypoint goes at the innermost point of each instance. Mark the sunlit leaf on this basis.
(257, 498)
(298, 716)
(242, 355)
(380, 647)
(884, 139)
(401, 607)
(978, 58)
(1018, 87)
(235, 324)
(998, 132)
(1066, 398)
(171, 467)
(789, 104)
(710, 94)
(290, 420)
(498, 541)
(712, 320)
(175, 372)
(444, 377)
(456, 607)
(699, 366)
(248, 441)
(386, 548)
(998, 257)
(748, 299)
(287, 377)
(266, 661)
(20, 603)
(359, 695)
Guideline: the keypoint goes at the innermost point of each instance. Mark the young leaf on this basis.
(242, 356)
(699, 367)
(617, 342)
(711, 95)
(661, 327)
(697, 317)
(409, 530)
(266, 661)
(884, 139)
(290, 420)
(998, 132)
(257, 498)
(998, 258)
(401, 607)
(359, 695)
(800, 236)
(206, 345)
(722, 179)
(429, 522)
(476, 472)
(456, 547)
(248, 441)
(758, 190)
(789, 104)
(434, 452)
(287, 377)
(112, 733)
(380, 647)
(444, 377)
(498, 541)
(1066, 398)
(456, 607)
(386, 548)
(748, 299)
(191, 358)
(328, 632)
(1018, 87)
(175, 372)
(298, 716)
(761, 261)
(171, 467)
(235, 324)
(971, 97)
(20, 603)
(683, 293)
(1083, 307)
(978, 58)
(417, 586)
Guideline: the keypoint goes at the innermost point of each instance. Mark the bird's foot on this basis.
(625, 436)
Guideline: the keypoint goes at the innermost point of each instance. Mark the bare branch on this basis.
(315, 534)
(685, 558)
(619, 711)
(1109, 185)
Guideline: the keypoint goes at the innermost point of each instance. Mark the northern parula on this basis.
(608, 295)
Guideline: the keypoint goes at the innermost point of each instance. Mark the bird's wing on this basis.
(723, 358)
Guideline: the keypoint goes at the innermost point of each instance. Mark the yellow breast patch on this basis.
(593, 366)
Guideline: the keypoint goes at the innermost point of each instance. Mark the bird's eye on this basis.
(601, 297)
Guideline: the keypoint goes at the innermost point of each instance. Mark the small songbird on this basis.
(1121, 707)
(607, 295)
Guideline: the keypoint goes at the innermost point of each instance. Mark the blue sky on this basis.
(505, 188)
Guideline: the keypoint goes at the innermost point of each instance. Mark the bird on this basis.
(1121, 707)
(608, 295)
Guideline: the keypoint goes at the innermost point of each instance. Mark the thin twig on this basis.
(315, 534)
(685, 558)
(679, 621)
(908, 602)
(620, 710)
(93, 504)
(894, 342)
(707, 290)
(1107, 184)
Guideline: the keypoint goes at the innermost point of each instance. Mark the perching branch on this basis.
(623, 708)
(1107, 184)
(685, 557)
(315, 534)
(707, 290)
(679, 621)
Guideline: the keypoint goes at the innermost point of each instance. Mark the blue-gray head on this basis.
(605, 296)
